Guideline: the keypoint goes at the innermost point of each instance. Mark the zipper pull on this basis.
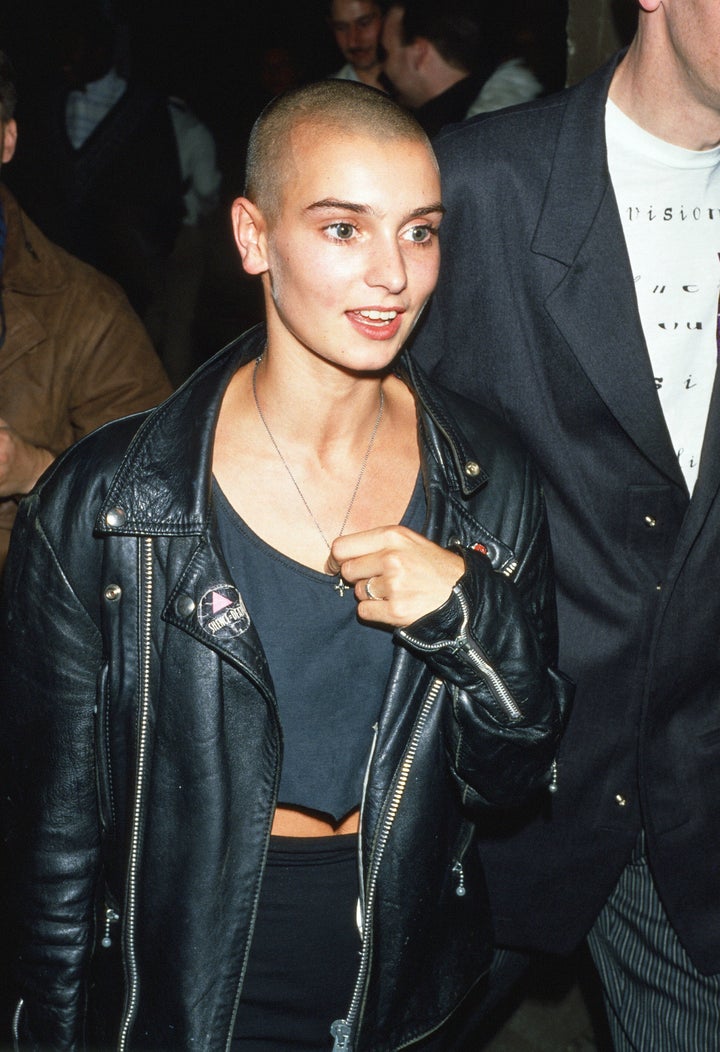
(460, 874)
(111, 917)
(340, 1030)
(553, 786)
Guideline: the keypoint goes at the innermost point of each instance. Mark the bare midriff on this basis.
(292, 821)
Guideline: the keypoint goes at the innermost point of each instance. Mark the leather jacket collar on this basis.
(179, 505)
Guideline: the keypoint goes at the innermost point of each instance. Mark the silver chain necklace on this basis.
(342, 586)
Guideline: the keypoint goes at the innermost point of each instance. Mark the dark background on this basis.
(226, 59)
(212, 52)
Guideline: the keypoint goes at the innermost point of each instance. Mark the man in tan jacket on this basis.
(73, 354)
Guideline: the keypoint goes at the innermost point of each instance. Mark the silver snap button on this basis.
(112, 593)
(116, 517)
(472, 469)
(185, 605)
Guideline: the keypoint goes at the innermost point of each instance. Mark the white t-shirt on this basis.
(512, 82)
(85, 109)
(196, 152)
(346, 72)
(669, 202)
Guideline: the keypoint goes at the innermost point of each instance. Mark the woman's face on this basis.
(352, 254)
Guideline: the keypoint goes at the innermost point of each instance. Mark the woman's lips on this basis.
(377, 323)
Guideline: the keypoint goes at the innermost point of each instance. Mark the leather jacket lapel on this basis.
(206, 603)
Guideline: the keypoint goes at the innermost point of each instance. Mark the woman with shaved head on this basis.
(295, 637)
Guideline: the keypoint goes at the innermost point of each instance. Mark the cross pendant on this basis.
(341, 587)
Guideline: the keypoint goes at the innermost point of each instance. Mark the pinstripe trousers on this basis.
(656, 1001)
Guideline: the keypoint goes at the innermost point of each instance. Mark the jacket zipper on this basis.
(16, 1024)
(251, 932)
(361, 882)
(131, 895)
(461, 642)
(341, 1029)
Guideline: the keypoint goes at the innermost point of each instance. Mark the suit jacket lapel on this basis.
(594, 306)
(708, 483)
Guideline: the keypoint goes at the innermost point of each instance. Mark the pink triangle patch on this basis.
(219, 602)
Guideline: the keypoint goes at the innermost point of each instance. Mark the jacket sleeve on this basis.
(494, 643)
(49, 657)
(114, 370)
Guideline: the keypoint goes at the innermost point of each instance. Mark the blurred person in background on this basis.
(356, 26)
(171, 316)
(73, 354)
(581, 258)
(115, 198)
(439, 60)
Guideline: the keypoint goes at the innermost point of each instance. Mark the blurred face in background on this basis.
(8, 138)
(357, 25)
(399, 60)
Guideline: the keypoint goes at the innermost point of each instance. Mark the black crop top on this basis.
(329, 669)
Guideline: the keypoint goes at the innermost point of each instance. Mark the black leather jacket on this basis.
(141, 743)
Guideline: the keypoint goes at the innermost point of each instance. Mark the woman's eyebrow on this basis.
(352, 206)
(344, 206)
(427, 210)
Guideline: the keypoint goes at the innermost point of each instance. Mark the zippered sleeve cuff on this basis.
(481, 641)
(503, 716)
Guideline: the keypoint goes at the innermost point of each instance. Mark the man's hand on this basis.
(398, 575)
(21, 464)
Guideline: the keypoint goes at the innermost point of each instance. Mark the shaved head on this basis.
(331, 105)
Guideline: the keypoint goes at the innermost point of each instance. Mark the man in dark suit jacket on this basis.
(540, 315)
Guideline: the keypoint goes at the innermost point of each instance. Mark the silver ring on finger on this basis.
(369, 592)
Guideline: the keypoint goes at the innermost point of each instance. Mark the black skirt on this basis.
(305, 951)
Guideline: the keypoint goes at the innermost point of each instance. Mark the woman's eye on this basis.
(419, 234)
(341, 231)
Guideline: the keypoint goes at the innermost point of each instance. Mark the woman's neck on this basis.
(313, 404)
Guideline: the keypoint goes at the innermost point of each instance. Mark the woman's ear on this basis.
(250, 230)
